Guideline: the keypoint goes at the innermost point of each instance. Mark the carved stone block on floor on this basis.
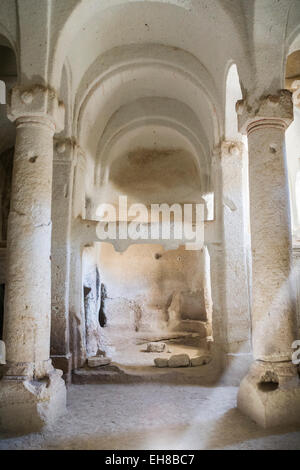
(97, 361)
(156, 347)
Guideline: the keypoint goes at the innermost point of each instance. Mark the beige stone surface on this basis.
(117, 98)
(2, 353)
(97, 361)
(270, 390)
(200, 360)
(273, 308)
(188, 417)
(161, 362)
(179, 360)
(29, 405)
(32, 392)
(270, 395)
(156, 347)
(64, 159)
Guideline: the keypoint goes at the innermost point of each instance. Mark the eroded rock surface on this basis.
(179, 360)
(200, 360)
(156, 347)
(161, 362)
(97, 361)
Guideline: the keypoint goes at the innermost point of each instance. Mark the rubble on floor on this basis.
(97, 361)
(156, 347)
(182, 360)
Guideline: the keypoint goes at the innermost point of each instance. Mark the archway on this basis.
(293, 142)
(8, 78)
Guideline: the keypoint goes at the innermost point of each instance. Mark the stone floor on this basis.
(154, 416)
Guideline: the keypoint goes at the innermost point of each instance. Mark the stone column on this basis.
(65, 151)
(294, 163)
(213, 240)
(235, 282)
(77, 318)
(270, 393)
(83, 234)
(76, 303)
(32, 392)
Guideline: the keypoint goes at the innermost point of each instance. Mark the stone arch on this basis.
(8, 78)
(130, 60)
(117, 78)
(155, 111)
(67, 98)
(7, 40)
(119, 60)
(233, 93)
(292, 76)
(80, 15)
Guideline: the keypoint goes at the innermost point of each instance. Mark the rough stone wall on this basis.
(142, 282)
(145, 289)
(91, 300)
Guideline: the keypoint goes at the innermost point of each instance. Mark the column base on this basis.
(27, 405)
(270, 394)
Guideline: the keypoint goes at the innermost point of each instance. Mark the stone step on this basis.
(114, 374)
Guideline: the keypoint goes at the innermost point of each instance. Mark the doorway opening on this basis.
(145, 304)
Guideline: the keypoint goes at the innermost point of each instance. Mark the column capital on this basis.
(232, 148)
(65, 150)
(26, 104)
(227, 148)
(275, 111)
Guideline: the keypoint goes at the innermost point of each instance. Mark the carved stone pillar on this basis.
(32, 392)
(235, 281)
(213, 238)
(76, 301)
(65, 152)
(294, 170)
(270, 393)
(83, 235)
